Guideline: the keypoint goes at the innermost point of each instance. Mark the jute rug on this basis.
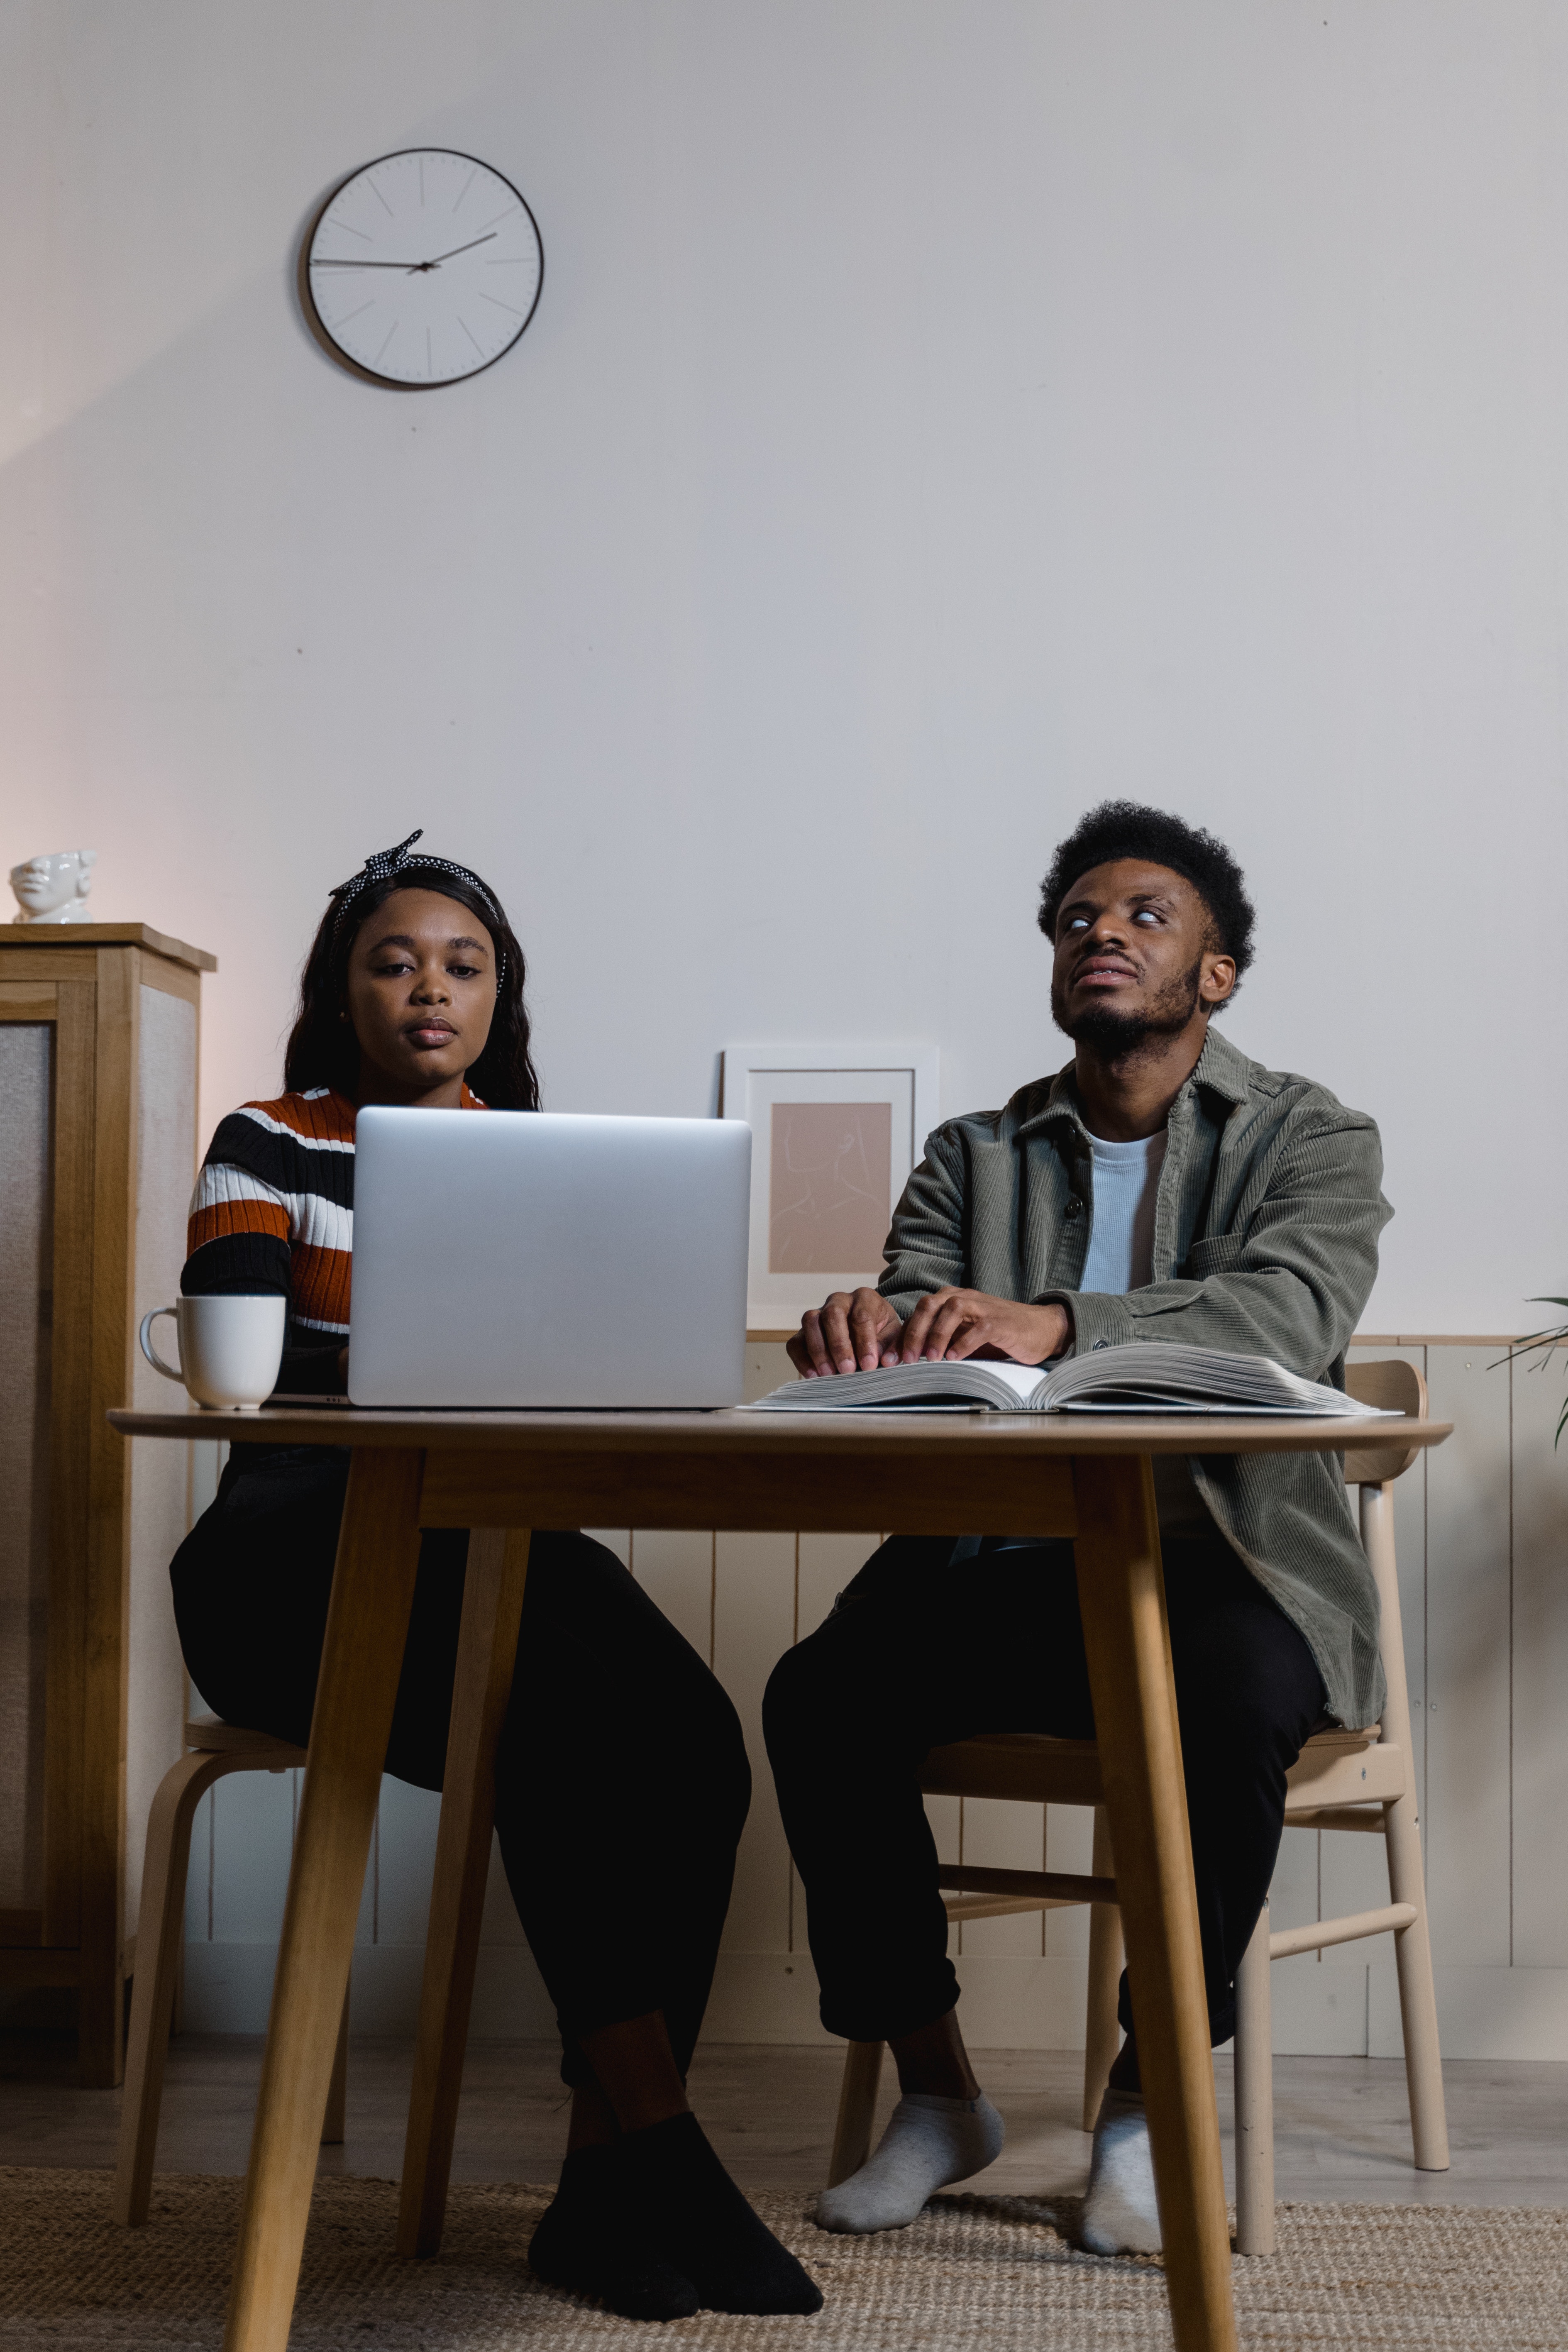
(973, 2275)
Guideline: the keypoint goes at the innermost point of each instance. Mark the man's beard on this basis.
(1115, 1036)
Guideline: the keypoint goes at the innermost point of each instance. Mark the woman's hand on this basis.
(852, 1331)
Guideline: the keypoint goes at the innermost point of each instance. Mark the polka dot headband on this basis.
(383, 864)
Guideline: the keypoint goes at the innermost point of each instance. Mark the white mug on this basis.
(230, 1349)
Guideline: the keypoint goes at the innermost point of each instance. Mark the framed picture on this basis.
(836, 1131)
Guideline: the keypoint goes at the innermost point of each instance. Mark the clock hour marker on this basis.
(467, 184)
(500, 215)
(500, 305)
(473, 337)
(354, 314)
(381, 200)
(381, 354)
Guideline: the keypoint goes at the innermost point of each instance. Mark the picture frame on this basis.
(837, 1131)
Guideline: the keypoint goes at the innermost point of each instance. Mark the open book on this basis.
(1142, 1376)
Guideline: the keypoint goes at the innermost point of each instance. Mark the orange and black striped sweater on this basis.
(274, 1211)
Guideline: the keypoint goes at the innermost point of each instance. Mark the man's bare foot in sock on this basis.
(928, 2144)
(944, 2129)
(1122, 2212)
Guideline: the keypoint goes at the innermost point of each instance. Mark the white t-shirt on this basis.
(1122, 1258)
(1121, 1236)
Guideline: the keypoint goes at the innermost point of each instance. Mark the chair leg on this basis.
(1255, 2097)
(160, 1935)
(857, 2110)
(1102, 2030)
(335, 2123)
(487, 1657)
(1417, 1992)
(1407, 1880)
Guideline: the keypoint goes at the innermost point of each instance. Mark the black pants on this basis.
(920, 1651)
(621, 1779)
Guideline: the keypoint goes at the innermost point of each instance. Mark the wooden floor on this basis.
(1342, 2128)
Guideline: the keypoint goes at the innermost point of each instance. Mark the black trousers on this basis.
(922, 1650)
(621, 1779)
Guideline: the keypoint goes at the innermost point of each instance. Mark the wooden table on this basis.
(502, 1473)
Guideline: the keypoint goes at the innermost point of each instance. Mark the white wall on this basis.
(938, 415)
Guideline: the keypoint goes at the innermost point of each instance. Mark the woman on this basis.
(621, 1779)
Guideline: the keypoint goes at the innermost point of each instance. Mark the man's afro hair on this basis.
(1127, 829)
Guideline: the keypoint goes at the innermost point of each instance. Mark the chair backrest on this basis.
(1398, 1388)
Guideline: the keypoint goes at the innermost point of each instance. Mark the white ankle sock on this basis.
(1120, 2213)
(929, 2143)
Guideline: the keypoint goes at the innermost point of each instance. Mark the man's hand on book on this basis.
(952, 1324)
(852, 1331)
(859, 1331)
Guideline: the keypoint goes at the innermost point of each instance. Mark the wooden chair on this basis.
(1347, 1780)
(487, 1645)
(215, 1749)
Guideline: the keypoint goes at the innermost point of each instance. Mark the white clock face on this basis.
(424, 267)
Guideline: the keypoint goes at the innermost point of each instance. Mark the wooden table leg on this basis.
(1122, 1596)
(367, 1624)
(335, 2122)
(487, 1652)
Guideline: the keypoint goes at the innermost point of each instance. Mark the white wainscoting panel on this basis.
(1540, 1668)
(1481, 1526)
(1468, 1661)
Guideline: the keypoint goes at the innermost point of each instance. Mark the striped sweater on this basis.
(273, 1210)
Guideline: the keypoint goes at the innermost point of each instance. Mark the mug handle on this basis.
(147, 1350)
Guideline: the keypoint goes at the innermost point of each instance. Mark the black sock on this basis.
(593, 2240)
(703, 2226)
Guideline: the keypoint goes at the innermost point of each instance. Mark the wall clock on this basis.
(422, 269)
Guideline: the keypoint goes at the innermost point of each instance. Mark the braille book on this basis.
(1142, 1376)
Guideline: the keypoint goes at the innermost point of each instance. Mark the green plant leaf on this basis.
(1541, 1343)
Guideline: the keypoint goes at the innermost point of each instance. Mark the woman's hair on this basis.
(323, 1050)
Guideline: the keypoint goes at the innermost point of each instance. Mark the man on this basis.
(1159, 1187)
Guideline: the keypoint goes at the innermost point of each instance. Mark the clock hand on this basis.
(412, 268)
(440, 257)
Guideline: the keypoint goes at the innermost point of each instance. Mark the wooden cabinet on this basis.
(99, 1025)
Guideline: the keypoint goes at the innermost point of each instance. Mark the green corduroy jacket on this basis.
(1266, 1230)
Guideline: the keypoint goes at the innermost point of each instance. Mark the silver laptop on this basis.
(512, 1258)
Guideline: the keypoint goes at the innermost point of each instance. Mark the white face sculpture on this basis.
(53, 889)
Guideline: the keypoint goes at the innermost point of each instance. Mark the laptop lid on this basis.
(534, 1258)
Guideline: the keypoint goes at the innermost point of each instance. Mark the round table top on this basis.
(735, 1430)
